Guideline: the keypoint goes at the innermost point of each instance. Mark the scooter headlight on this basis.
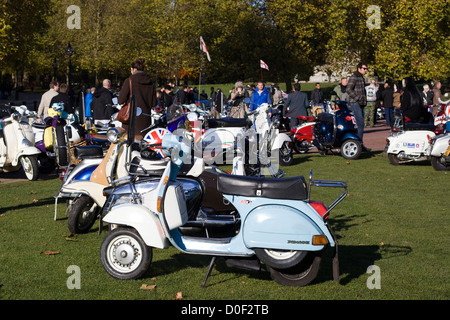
(113, 135)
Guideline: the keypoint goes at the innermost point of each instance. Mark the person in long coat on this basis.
(144, 91)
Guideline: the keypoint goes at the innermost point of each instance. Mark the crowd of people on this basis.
(363, 99)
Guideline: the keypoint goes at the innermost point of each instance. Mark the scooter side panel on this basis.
(143, 220)
(94, 190)
(440, 145)
(279, 140)
(411, 142)
(283, 227)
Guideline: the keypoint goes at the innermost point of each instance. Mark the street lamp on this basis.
(69, 52)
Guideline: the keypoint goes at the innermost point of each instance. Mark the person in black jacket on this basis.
(387, 101)
(102, 103)
(412, 105)
(63, 97)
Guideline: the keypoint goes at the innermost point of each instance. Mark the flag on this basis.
(263, 65)
(203, 48)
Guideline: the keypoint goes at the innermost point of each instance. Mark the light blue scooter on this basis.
(279, 225)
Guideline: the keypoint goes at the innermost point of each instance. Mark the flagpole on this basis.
(200, 78)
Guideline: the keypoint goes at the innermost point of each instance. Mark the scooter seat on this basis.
(274, 188)
(325, 117)
(87, 152)
(228, 123)
(413, 126)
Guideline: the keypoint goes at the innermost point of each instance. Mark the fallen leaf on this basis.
(35, 200)
(50, 253)
(148, 287)
(179, 296)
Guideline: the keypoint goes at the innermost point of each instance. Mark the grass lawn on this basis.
(394, 218)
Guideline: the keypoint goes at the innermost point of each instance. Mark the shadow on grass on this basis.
(41, 202)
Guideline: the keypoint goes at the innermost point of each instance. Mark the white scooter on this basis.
(409, 141)
(440, 159)
(219, 139)
(278, 225)
(17, 144)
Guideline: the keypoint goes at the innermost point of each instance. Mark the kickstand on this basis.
(211, 265)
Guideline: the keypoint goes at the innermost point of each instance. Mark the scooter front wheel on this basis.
(351, 149)
(124, 254)
(299, 275)
(30, 167)
(82, 215)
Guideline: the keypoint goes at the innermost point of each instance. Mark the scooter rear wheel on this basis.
(439, 165)
(280, 259)
(299, 275)
(124, 255)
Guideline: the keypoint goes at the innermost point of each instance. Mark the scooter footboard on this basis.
(143, 220)
(285, 228)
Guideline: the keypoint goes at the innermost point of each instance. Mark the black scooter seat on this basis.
(325, 117)
(274, 188)
(412, 126)
(88, 152)
(228, 123)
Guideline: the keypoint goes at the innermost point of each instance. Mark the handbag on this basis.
(124, 112)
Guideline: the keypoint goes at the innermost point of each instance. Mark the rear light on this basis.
(320, 208)
(430, 140)
(62, 175)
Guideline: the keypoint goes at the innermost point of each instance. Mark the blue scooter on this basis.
(278, 225)
(338, 130)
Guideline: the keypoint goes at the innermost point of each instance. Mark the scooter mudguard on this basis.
(279, 140)
(350, 135)
(28, 151)
(89, 188)
(440, 145)
(284, 227)
(143, 220)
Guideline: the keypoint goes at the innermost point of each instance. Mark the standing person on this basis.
(371, 97)
(219, 100)
(237, 96)
(63, 97)
(317, 99)
(277, 95)
(87, 102)
(437, 92)
(357, 98)
(167, 96)
(341, 92)
(427, 96)
(295, 105)
(45, 100)
(411, 100)
(102, 103)
(144, 91)
(436, 96)
(387, 101)
(260, 95)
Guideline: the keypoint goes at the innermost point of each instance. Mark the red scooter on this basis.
(302, 135)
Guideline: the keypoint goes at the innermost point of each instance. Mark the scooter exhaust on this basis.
(249, 264)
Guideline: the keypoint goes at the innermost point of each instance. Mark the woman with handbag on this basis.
(142, 87)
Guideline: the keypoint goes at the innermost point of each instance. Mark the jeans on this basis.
(389, 116)
(359, 117)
